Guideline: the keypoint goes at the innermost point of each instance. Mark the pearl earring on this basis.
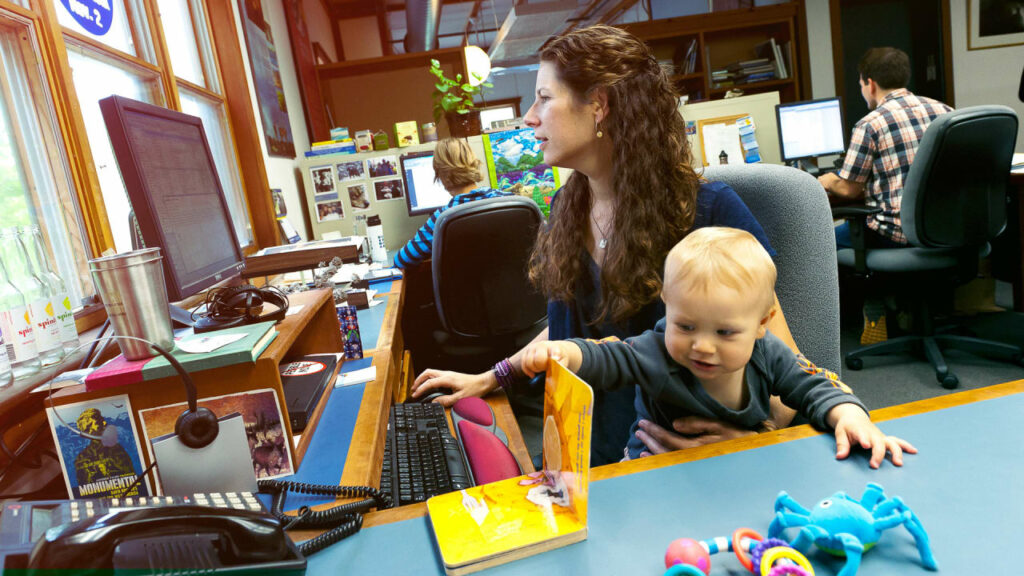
(597, 127)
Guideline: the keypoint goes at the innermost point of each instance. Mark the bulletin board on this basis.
(720, 120)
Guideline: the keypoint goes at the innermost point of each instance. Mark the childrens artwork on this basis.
(264, 427)
(389, 189)
(358, 198)
(106, 467)
(509, 519)
(383, 166)
(515, 163)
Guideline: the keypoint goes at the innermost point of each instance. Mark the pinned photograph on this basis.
(323, 179)
(329, 211)
(350, 171)
(358, 198)
(383, 166)
(326, 197)
(389, 190)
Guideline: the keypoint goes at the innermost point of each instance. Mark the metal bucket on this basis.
(132, 288)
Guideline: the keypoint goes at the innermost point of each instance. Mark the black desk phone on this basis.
(210, 532)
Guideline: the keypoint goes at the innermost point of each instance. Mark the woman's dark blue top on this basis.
(717, 205)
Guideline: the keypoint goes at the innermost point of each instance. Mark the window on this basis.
(116, 23)
(35, 185)
(181, 41)
(97, 76)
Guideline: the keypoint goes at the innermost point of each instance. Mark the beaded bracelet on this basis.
(503, 372)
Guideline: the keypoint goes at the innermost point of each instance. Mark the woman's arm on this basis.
(461, 385)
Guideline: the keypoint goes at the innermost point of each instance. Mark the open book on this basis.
(487, 525)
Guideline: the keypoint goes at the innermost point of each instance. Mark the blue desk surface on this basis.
(965, 485)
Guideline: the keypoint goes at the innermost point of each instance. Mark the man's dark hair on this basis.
(888, 67)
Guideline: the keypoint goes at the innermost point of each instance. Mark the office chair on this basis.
(953, 205)
(486, 306)
(793, 210)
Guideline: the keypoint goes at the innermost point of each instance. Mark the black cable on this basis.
(85, 361)
(128, 490)
(345, 519)
(15, 456)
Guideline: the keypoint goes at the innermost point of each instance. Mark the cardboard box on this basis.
(406, 134)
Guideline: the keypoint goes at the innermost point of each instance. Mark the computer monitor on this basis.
(423, 193)
(810, 129)
(172, 183)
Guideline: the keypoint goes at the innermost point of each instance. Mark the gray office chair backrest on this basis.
(955, 193)
(793, 210)
(480, 255)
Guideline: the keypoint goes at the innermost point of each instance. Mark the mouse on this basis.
(428, 398)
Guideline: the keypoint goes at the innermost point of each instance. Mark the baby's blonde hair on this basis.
(455, 165)
(716, 256)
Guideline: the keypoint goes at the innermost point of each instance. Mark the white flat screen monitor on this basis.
(810, 129)
(423, 194)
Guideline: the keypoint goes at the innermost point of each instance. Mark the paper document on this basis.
(719, 139)
(361, 376)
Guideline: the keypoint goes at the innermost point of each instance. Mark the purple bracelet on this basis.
(503, 372)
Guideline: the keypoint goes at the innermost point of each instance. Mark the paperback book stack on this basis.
(757, 70)
(324, 147)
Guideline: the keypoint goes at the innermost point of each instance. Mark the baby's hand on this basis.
(536, 356)
(854, 425)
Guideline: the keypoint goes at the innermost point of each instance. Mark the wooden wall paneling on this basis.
(243, 122)
(317, 126)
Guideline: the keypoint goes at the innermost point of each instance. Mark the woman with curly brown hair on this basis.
(606, 109)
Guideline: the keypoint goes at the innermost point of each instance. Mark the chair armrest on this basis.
(855, 211)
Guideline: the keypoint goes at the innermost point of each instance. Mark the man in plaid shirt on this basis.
(882, 146)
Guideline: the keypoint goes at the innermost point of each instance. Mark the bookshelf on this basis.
(698, 46)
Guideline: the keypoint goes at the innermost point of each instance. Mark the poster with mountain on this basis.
(266, 76)
(515, 163)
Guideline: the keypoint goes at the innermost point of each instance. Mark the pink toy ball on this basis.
(688, 551)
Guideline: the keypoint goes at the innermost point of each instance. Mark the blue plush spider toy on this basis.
(842, 526)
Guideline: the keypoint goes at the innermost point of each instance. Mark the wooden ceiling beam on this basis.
(616, 10)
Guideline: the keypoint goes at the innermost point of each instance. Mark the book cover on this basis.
(247, 349)
(487, 525)
(108, 467)
(269, 450)
(406, 134)
(304, 381)
(122, 372)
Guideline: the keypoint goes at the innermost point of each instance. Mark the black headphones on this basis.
(237, 305)
(196, 427)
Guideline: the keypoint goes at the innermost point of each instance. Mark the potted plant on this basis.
(453, 99)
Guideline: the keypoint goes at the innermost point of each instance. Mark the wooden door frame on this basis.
(837, 50)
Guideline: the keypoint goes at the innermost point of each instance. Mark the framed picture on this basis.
(266, 76)
(388, 190)
(994, 23)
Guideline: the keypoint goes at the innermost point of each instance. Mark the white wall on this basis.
(283, 173)
(990, 76)
(819, 40)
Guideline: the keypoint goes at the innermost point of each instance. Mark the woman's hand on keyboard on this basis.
(456, 385)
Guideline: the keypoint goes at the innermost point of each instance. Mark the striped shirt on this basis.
(419, 248)
(882, 148)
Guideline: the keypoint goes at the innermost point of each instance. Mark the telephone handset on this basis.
(171, 537)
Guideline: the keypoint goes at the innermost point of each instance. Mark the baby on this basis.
(712, 356)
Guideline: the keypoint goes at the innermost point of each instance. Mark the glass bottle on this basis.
(38, 296)
(19, 343)
(32, 240)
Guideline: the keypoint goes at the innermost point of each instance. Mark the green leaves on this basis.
(453, 95)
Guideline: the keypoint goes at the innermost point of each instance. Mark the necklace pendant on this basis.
(603, 243)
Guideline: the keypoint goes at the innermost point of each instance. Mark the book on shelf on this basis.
(690, 60)
(770, 50)
(243, 344)
(495, 523)
(301, 256)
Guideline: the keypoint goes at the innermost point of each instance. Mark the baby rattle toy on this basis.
(771, 557)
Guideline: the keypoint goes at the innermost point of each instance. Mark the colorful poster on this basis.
(108, 465)
(515, 163)
(266, 76)
(264, 428)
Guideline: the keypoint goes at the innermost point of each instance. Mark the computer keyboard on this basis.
(421, 457)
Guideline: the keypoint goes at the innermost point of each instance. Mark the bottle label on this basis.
(65, 317)
(46, 325)
(19, 338)
(5, 361)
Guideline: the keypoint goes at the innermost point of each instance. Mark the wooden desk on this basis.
(365, 453)
(963, 485)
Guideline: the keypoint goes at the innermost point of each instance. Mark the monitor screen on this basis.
(810, 129)
(172, 183)
(423, 194)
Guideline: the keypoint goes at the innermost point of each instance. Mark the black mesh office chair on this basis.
(485, 303)
(953, 205)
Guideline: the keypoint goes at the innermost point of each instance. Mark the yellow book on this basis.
(487, 525)
(406, 134)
